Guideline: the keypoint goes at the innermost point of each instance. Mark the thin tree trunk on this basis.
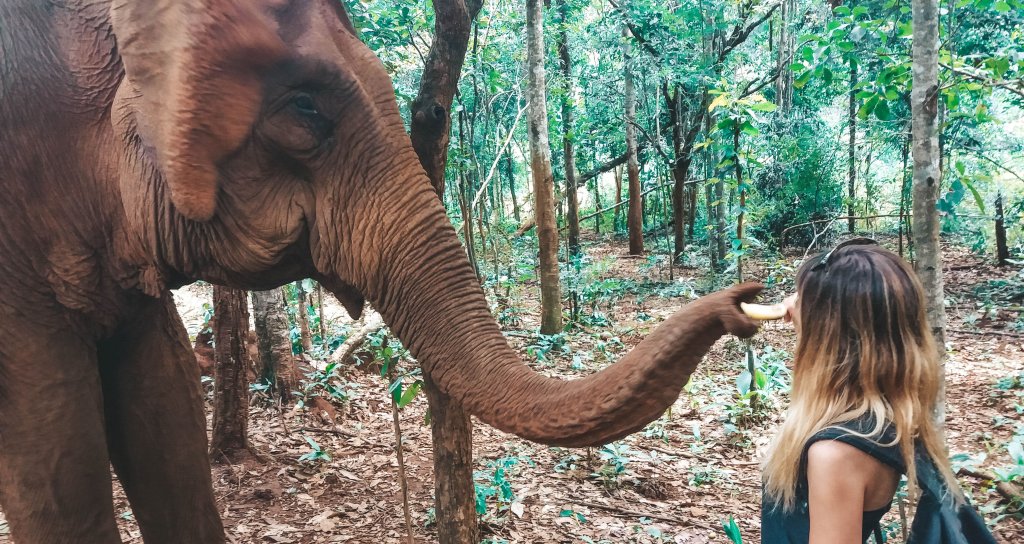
(634, 217)
(510, 173)
(231, 391)
(277, 364)
(783, 61)
(597, 205)
(451, 428)
(321, 321)
(543, 182)
(1002, 251)
(743, 202)
(403, 482)
(851, 183)
(568, 151)
(302, 316)
(617, 220)
(927, 180)
(674, 104)
(720, 219)
(904, 226)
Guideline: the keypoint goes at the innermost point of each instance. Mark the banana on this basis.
(764, 312)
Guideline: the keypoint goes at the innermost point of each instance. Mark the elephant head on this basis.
(270, 147)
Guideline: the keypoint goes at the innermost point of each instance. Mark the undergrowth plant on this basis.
(757, 394)
(615, 457)
(495, 497)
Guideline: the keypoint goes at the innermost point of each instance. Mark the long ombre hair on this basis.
(863, 349)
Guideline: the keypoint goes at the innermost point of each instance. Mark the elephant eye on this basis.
(304, 104)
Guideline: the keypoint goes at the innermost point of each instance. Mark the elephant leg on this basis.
(54, 469)
(157, 427)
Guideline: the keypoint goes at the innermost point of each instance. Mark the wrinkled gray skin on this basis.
(150, 143)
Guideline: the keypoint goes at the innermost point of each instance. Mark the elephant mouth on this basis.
(347, 294)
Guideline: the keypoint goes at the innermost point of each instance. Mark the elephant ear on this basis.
(197, 66)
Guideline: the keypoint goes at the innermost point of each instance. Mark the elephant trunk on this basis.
(427, 292)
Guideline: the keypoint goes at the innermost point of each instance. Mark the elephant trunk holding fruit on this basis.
(246, 143)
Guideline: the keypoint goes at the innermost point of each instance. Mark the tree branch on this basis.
(635, 31)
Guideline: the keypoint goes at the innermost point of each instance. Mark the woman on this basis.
(865, 364)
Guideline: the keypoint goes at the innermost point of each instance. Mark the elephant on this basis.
(147, 144)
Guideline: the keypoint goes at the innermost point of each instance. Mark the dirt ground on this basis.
(679, 480)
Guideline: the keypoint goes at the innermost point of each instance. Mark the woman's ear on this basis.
(198, 67)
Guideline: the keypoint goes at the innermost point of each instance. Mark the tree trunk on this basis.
(451, 428)
(720, 215)
(573, 212)
(674, 102)
(543, 182)
(277, 364)
(597, 205)
(851, 183)
(510, 173)
(743, 201)
(634, 217)
(904, 226)
(783, 61)
(1002, 251)
(302, 316)
(927, 181)
(231, 392)
(617, 219)
(321, 321)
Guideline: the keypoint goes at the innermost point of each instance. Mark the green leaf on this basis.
(1002, 7)
(410, 394)
(761, 379)
(732, 531)
(749, 129)
(802, 80)
(721, 100)
(882, 110)
(764, 106)
(827, 76)
(867, 107)
(960, 167)
(952, 100)
(974, 192)
(841, 11)
(743, 382)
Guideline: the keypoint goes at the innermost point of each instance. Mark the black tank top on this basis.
(780, 527)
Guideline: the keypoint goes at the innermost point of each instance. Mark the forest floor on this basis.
(677, 481)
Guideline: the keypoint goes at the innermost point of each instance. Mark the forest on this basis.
(604, 163)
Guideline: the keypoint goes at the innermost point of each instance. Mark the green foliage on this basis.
(389, 351)
(756, 395)
(544, 346)
(494, 494)
(322, 383)
(732, 531)
(315, 455)
(615, 457)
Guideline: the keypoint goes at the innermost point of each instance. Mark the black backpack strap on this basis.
(850, 433)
